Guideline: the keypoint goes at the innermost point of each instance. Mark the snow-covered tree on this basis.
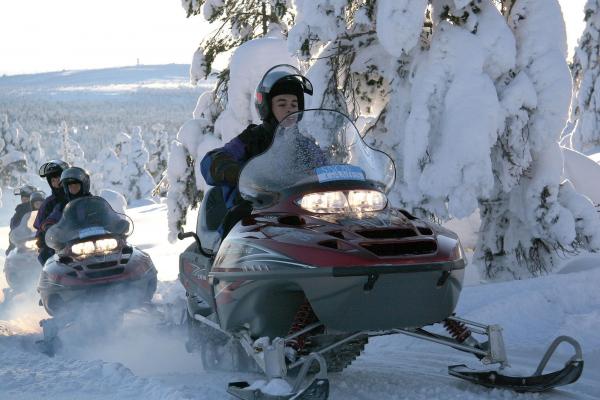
(223, 112)
(530, 215)
(106, 172)
(158, 149)
(70, 149)
(132, 153)
(13, 163)
(584, 121)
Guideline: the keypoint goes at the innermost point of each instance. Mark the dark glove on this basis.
(40, 241)
(225, 169)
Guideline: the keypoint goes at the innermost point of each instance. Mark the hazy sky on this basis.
(51, 35)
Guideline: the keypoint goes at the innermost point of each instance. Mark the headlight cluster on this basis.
(31, 244)
(101, 246)
(340, 201)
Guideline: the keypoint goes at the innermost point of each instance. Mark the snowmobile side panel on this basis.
(403, 297)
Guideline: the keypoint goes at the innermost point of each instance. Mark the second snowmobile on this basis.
(322, 264)
(93, 266)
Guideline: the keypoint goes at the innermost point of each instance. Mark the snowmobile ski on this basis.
(538, 382)
(317, 390)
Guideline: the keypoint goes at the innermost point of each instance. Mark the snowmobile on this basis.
(297, 288)
(94, 267)
(21, 268)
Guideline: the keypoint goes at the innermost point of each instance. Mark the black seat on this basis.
(212, 212)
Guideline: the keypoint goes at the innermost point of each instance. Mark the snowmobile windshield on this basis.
(25, 231)
(314, 147)
(85, 218)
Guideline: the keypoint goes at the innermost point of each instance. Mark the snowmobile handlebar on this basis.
(185, 235)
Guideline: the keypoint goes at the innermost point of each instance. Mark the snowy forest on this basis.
(470, 98)
(121, 137)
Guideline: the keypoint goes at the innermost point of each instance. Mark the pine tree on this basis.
(70, 149)
(132, 153)
(158, 150)
(530, 217)
(13, 163)
(584, 118)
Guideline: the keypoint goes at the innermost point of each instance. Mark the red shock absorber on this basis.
(304, 316)
(457, 330)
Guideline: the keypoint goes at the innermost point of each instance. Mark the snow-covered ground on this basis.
(141, 360)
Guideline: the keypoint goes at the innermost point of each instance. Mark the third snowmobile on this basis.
(21, 268)
(322, 264)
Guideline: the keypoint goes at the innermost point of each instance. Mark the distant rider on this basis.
(51, 171)
(279, 93)
(22, 208)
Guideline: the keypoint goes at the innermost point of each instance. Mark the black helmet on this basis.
(53, 168)
(24, 191)
(280, 79)
(75, 175)
(38, 195)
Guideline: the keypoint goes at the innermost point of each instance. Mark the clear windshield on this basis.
(25, 230)
(314, 147)
(87, 217)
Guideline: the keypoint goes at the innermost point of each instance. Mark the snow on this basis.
(141, 361)
(448, 89)
(399, 24)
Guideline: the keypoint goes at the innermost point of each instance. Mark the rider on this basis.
(279, 93)
(50, 170)
(75, 182)
(22, 208)
(36, 200)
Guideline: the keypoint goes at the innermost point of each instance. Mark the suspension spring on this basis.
(304, 316)
(457, 330)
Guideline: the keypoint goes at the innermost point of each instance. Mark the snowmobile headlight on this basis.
(359, 201)
(83, 248)
(101, 246)
(106, 245)
(31, 244)
(366, 200)
(325, 202)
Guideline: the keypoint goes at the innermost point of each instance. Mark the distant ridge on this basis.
(94, 77)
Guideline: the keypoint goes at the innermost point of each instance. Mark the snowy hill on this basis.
(109, 81)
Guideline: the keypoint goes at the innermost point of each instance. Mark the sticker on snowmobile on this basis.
(341, 172)
(91, 231)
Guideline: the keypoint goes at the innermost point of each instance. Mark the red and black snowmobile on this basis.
(323, 263)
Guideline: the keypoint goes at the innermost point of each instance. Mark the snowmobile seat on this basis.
(212, 212)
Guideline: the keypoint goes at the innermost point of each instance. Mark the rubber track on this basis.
(339, 357)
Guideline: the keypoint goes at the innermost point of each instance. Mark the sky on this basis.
(42, 35)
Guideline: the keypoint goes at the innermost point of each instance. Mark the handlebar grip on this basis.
(184, 235)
